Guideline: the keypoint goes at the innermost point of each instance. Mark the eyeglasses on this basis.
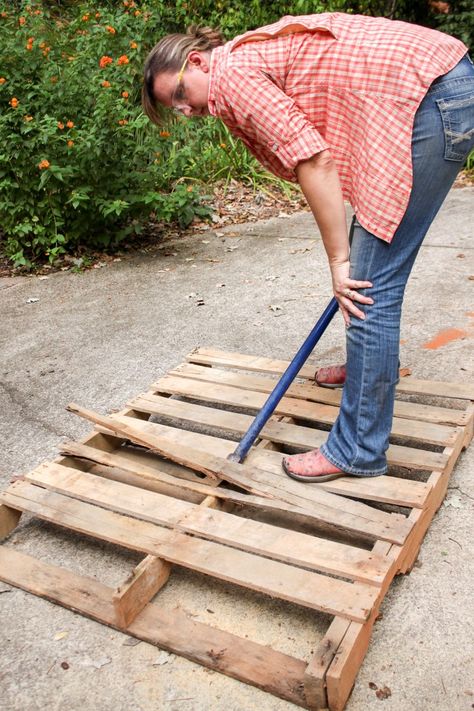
(178, 94)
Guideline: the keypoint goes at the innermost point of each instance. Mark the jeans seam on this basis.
(361, 404)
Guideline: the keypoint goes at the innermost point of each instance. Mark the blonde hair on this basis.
(168, 56)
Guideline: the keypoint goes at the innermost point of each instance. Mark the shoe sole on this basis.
(329, 385)
(312, 479)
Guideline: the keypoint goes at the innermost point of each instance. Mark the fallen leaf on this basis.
(271, 278)
(205, 241)
(373, 686)
(383, 693)
(32, 300)
(461, 256)
(471, 277)
(219, 286)
(403, 372)
(60, 635)
(43, 278)
(232, 248)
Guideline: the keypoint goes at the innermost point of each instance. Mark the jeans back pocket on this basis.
(457, 115)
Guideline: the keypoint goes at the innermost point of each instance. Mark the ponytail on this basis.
(168, 56)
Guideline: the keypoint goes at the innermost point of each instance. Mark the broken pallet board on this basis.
(164, 487)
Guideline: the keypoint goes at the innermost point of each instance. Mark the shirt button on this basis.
(275, 147)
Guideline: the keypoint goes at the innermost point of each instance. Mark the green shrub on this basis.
(78, 159)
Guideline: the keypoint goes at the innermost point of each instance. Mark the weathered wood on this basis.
(341, 651)
(259, 364)
(428, 432)
(332, 509)
(8, 520)
(214, 525)
(309, 589)
(170, 629)
(132, 473)
(146, 580)
(279, 432)
(311, 392)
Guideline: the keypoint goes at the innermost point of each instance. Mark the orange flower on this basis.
(122, 122)
(106, 84)
(223, 145)
(137, 13)
(85, 17)
(46, 51)
(27, 118)
(133, 45)
(3, 14)
(42, 45)
(53, 80)
(125, 94)
(165, 134)
(70, 124)
(123, 59)
(60, 125)
(97, 15)
(104, 61)
(70, 144)
(42, 165)
(22, 20)
(2, 80)
(14, 102)
(110, 29)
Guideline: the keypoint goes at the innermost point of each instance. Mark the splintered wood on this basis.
(155, 478)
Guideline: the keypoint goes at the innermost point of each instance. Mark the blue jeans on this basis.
(443, 135)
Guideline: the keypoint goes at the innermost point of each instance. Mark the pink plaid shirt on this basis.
(347, 83)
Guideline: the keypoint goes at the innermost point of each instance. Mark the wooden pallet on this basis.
(178, 500)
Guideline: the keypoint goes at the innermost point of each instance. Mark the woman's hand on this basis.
(345, 291)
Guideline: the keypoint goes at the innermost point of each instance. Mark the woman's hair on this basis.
(168, 56)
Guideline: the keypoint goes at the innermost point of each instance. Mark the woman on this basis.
(375, 111)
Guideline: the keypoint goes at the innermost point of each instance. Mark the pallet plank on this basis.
(309, 589)
(330, 508)
(170, 629)
(135, 593)
(333, 509)
(313, 393)
(427, 432)
(388, 489)
(8, 520)
(259, 364)
(280, 544)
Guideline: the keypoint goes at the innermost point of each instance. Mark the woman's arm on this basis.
(319, 182)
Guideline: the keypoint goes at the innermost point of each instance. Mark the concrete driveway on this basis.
(102, 336)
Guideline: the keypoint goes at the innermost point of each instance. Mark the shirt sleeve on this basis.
(269, 121)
